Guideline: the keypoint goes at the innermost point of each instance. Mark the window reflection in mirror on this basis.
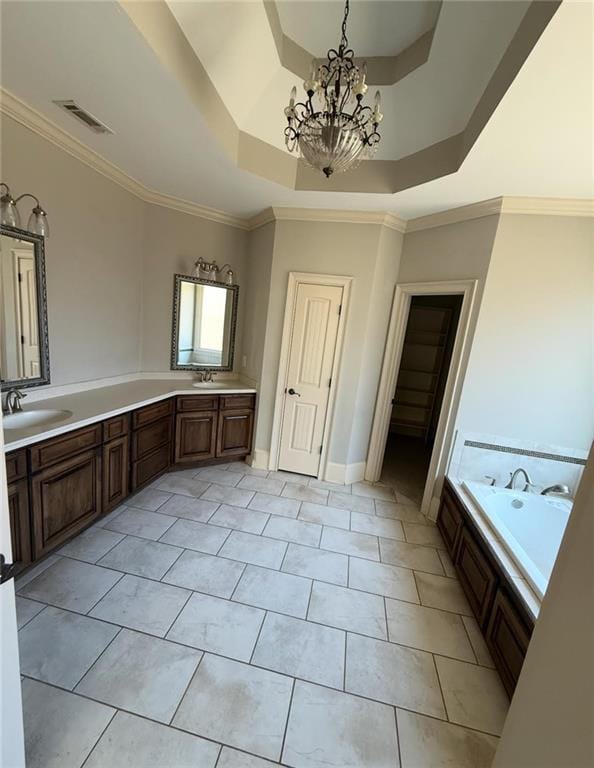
(205, 324)
(20, 352)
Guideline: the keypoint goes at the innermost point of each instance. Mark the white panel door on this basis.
(27, 320)
(311, 356)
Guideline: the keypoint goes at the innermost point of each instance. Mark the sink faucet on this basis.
(559, 489)
(512, 480)
(13, 401)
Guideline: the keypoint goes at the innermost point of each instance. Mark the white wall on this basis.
(530, 373)
(549, 724)
(93, 257)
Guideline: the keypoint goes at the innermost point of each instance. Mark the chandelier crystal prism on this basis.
(331, 129)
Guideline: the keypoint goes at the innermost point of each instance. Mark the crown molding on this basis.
(327, 215)
(456, 215)
(549, 206)
(33, 120)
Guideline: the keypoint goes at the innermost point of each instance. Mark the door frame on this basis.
(391, 366)
(296, 279)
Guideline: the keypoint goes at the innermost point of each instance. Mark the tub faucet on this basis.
(13, 401)
(512, 479)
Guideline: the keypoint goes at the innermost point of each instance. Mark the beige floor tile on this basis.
(448, 565)
(331, 729)
(199, 536)
(428, 629)
(350, 502)
(347, 609)
(141, 557)
(382, 579)
(205, 573)
(236, 497)
(474, 696)
(316, 564)
(423, 534)
(257, 550)
(377, 526)
(404, 512)
(241, 706)
(231, 758)
(429, 743)
(393, 674)
(296, 531)
(186, 486)
(262, 484)
(442, 592)
(92, 544)
(479, 646)
(275, 505)
(325, 515)
(373, 491)
(274, 591)
(26, 610)
(189, 507)
(304, 493)
(140, 522)
(218, 476)
(239, 518)
(410, 556)
(350, 543)
(133, 741)
(149, 498)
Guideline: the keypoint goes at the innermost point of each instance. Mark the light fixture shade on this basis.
(9, 213)
(333, 145)
(38, 223)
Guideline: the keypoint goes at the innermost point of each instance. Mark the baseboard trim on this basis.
(345, 474)
(259, 459)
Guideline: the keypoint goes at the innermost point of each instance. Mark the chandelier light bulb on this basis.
(331, 128)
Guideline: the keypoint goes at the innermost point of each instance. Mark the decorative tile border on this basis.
(525, 452)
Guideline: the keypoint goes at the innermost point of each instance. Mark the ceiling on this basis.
(537, 142)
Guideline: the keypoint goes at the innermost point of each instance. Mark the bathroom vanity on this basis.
(505, 617)
(60, 484)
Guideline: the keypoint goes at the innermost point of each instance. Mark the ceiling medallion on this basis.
(331, 129)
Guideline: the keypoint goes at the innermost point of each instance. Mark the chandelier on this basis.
(331, 129)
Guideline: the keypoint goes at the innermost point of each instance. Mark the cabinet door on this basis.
(20, 530)
(147, 439)
(476, 575)
(116, 467)
(507, 639)
(195, 436)
(65, 498)
(234, 434)
(449, 522)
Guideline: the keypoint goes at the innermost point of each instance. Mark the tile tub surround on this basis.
(254, 636)
(476, 455)
(97, 404)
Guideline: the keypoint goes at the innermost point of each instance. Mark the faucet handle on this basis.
(492, 479)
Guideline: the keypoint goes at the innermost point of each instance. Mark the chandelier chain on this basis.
(343, 40)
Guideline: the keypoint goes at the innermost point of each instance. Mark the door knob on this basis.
(291, 391)
(7, 570)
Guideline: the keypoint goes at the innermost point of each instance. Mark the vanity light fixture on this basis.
(331, 128)
(209, 270)
(10, 216)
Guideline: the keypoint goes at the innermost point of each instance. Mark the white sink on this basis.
(33, 418)
(210, 385)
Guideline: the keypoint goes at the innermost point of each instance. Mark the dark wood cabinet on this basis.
(65, 498)
(476, 575)
(507, 639)
(195, 436)
(58, 487)
(501, 614)
(116, 463)
(234, 433)
(20, 528)
(449, 522)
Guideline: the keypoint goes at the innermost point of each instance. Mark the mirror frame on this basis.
(234, 289)
(44, 361)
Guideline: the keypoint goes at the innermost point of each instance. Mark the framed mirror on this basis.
(24, 349)
(204, 321)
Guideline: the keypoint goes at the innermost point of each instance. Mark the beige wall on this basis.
(530, 374)
(339, 249)
(93, 257)
(549, 724)
(172, 242)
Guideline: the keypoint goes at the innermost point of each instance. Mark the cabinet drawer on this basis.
(150, 466)
(20, 529)
(476, 575)
(195, 436)
(16, 465)
(197, 403)
(449, 522)
(234, 433)
(48, 452)
(237, 401)
(65, 498)
(116, 427)
(507, 639)
(147, 439)
(151, 413)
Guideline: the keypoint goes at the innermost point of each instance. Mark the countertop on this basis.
(101, 403)
(522, 587)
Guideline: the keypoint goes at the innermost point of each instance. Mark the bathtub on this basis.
(530, 527)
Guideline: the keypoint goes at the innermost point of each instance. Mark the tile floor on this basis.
(236, 618)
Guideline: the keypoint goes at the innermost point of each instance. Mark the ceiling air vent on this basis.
(85, 117)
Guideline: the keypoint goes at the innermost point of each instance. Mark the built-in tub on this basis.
(530, 527)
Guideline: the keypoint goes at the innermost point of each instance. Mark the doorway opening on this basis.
(417, 398)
